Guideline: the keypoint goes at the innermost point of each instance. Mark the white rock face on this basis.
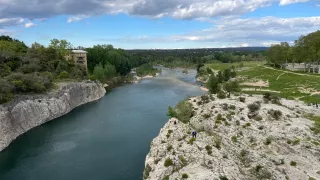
(234, 149)
(22, 115)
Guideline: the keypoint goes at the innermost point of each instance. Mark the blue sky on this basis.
(146, 24)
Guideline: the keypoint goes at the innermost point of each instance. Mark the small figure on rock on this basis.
(194, 134)
(175, 122)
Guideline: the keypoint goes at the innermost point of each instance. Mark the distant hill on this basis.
(202, 49)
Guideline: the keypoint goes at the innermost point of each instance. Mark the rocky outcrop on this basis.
(276, 143)
(25, 113)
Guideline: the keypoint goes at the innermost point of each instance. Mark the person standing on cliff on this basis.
(194, 134)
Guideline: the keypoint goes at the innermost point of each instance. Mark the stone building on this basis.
(78, 56)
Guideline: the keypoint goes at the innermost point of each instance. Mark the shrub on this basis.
(169, 147)
(219, 117)
(5, 91)
(234, 138)
(221, 95)
(246, 125)
(184, 111)
(233, 107)
(217, 142)
(166, 177)
(242, 99)
(223, 178)
(64, 75)
(268, 141)
(183, 160)
(295, 142)
(293, 163)
(146, 172)
(258, 118)
(205, 98)
(185, 176)
(168, 162)
(213, 84)
(261, 173)
(254, 107)
(275, 99)
(225, 106)
(206, 116)
(209, 149)
(171, 112)
(276, 114)
(191, 141)
(237, 122)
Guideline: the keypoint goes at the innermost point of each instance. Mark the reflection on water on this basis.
(104, 140)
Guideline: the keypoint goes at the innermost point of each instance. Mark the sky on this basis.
(161, 24)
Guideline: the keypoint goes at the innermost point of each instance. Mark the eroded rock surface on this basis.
(26, 113)
(230, 145)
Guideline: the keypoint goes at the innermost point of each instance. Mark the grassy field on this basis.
(289, 85)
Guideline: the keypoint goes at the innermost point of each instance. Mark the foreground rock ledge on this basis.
(237, 147)
(23, 114)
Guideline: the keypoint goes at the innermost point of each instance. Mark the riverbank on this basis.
(238, 140)
(25, 113)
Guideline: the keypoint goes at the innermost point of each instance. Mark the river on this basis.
(103, 140)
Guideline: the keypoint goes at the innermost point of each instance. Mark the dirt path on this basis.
(290, 72)
(280, 75)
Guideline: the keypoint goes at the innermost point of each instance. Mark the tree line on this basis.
(305, 50)
(33, 69)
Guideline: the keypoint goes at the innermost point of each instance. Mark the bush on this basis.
(168, 162)
(234, 138)
(276, 114)
(147, 171)
(185, 176)
(191, 141)
(268, 141)
(209, 149)
(223, 178)
(233, 107)
(293, 163)
(183, 160)
(206, 116)
(169, 147)
(64, 75)
(171, 112)
(258, 118)
(5, 91)
(205, 99)
(242, 99)
(254, 107)
(184, 111)
(221, 95)
(213, 84)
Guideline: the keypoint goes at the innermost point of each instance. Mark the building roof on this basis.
(78, 51)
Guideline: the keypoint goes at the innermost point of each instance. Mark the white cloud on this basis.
(317, 5)
(287, 2)
(179, 9)
(244, 45)
(29, 25)
(242, 32)
(77, 18)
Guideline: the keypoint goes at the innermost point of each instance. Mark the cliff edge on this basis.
(25, 113)
(239, 138)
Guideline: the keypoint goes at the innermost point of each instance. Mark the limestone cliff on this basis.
(238, 142)
(25, 113)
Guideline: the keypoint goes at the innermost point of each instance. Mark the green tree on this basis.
(231, 86)
(213, 84)
(99, 73)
